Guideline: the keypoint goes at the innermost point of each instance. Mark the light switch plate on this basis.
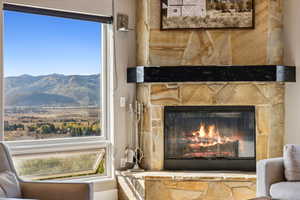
(122, 102)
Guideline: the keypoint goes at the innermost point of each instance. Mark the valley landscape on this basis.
(52, 106)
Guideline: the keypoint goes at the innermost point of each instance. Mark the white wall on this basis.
(292, 57)
(125, 57)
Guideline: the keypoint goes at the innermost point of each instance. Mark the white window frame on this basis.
(81, 143)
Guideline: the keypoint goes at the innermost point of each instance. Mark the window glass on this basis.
(52, 76)
(61, 164)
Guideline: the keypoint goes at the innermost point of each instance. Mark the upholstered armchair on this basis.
(13, 186)
(271, 181)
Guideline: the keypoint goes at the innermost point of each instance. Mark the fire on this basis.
(208, 136)
(201, 131)
(211, 131)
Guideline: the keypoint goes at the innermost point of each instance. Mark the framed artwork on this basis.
(207, 14)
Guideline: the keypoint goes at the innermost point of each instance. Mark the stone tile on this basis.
(262, 146)
(263, 116)
(187, 185)
(146, 122)
(216, 87)
(143, 93)
(275, 47)
(250, 46)
(224, 95)
(238, 184)
(163, 94)
(276, 10)
(276, 138)
(276, 144)
(192, 51)
(169, 40)
(161, 57)
(208, 48)
(142, 26)
(156, 112)
(221, 53)
(185, 194)
(156, 190)
(275, 41)
(243, 193)
(146, 144)
(195, 94)
(155, 15)
(165, 45)
(277, 116)
(157, 149)
(218, 191)
(275, 92)
(157, 123)
(241, 94)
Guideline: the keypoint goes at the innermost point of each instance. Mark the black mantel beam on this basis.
(257, 73)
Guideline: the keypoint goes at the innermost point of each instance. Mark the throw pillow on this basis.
(291, 160)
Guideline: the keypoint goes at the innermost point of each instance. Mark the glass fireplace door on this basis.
(209, 133)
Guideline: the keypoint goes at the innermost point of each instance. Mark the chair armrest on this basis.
(268, 171)
(56, 190)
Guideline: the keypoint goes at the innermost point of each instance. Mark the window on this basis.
(55, 94)
(61, 164)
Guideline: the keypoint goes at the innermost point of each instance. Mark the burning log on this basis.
(208, 142)
(229, 149)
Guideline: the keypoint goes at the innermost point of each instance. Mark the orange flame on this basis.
(208, 136)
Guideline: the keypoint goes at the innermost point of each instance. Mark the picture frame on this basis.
(207, 14)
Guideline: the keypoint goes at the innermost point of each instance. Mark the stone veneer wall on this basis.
(268, 99)
(262, 45)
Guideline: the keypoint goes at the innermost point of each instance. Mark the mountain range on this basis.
(53, 90)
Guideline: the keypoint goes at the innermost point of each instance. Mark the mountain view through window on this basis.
(52, 76)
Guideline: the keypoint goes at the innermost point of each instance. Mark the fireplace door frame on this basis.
(228, 164)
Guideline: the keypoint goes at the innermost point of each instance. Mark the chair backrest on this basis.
(6, 162)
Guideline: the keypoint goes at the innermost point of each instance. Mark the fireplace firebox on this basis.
(209, 138)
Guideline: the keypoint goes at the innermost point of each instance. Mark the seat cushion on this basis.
(291, 161)
(285, 191)
(10, 185)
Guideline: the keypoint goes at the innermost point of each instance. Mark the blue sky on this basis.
(40, 45)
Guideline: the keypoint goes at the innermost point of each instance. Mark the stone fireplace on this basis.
(266, 98)
(209, 138)
(259, 46)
